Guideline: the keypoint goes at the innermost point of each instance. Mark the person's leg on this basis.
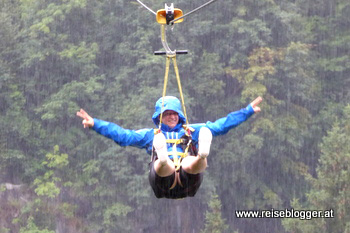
(194, 164)
(163, 165)
(204, 142)
(190, 182)
(160, 185)
(164, 169)
(197, 164)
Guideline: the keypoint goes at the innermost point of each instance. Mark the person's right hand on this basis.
(88, 120)
(255, 104)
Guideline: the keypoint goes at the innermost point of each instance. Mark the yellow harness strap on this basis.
(175, 153)
(175, 142)
(180, 88)
(167, 66)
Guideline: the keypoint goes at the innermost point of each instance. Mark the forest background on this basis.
(57, 56)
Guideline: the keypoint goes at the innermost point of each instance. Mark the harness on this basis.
(188, 149)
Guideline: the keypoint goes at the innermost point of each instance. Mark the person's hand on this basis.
(88, 120)
(255, 104)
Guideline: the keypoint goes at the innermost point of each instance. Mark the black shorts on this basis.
(161, 185)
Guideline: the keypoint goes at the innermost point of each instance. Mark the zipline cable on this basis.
(198, 8)
(147, 7)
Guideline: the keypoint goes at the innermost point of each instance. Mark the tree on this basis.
(214, 223)
(32, 228)
(330, 188)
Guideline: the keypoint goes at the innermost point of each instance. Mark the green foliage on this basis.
(54, 160)
(214, 223)
(117, 212)
(32, 228)
(47, 185)
(330, 188)
(58, 56)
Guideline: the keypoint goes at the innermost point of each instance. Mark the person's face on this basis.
(170, 118)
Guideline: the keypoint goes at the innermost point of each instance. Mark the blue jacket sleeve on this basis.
(223, 125)
(124, 137)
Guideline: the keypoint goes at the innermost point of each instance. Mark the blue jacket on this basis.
(143, 138)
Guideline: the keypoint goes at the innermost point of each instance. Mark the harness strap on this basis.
(177, 180)
(167, 66)
(175, 158)
(175, 153)
(181, 154)
(176, 141)
(180, 88)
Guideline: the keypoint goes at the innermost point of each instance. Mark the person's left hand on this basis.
(255, 104)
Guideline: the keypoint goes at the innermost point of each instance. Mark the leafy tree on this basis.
(32, 228)
(214, 221)
(274, 143)
(330, 188)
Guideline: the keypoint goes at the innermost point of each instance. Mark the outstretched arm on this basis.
(124, 137)
(88, 121)
(233, 119)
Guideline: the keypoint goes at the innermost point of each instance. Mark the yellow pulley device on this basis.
(169, 13)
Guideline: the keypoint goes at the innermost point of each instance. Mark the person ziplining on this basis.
(178, 150)
(163, 177)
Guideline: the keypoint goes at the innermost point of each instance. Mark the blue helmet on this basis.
(170, 103)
